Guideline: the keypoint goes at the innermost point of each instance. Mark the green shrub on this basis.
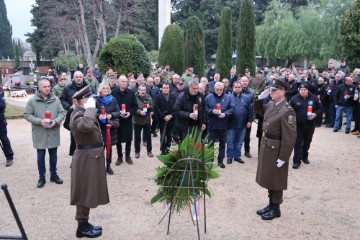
(124, 54)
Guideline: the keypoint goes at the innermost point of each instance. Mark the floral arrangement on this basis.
(7, 86)
(174, 177)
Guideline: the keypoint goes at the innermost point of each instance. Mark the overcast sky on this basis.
(18, 13)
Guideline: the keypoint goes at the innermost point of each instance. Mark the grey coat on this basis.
(44, 138)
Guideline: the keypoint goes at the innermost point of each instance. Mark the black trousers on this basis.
(8, 152)
(303, 140)
(137, 132)
(127, 149)
(356, 115)
(167, 139)
(247, 140)
(221, 135)
(154, 123)
(319, 119)
(326, 109)
(259, 131)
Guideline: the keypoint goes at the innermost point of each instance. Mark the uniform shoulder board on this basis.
(288, 106)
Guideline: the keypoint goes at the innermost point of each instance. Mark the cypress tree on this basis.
(224, 47)
(350, 35)
(16, 54)
(245, 42)
(194, 45)
(6, 49)
(172, 48)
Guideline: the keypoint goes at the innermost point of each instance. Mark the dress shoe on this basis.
(354, 130)
(229, 161)
(335, 130)
(129, 160)
(248, 155)
(145, 144)
(239, 160)
(56, 179)
(137, 155)
(9, 162)
(306, 160)
(274, 212)
(109, 169)
(119, 161)
(355, 133)
(358, 136)
(41, 182)
(296, 165)
(347, 131)
(221, 165)
(263, 210)
(154, 133)
(150, 154)
(89, 231)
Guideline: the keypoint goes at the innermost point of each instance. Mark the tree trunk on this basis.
(118, 23)
(84, 36)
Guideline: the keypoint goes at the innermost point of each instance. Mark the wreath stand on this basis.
(187, 175)
(16, 216)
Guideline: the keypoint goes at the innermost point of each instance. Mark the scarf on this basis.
(106, 100)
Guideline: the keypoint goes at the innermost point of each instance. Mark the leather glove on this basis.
(90, 103)
(264, 94)
(280, 163)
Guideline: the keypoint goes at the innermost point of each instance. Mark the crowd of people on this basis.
(134, 109)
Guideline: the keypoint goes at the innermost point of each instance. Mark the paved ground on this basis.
(322, 201)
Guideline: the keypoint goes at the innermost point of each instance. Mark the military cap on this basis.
(279, 85)
(85, 92)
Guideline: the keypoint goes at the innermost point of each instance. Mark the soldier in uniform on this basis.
(88, 177)
(278, 139)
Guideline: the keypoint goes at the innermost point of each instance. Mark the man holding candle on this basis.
(307, 107)
(219, 109)
(127, 102)
(45, 113)
(142, 120)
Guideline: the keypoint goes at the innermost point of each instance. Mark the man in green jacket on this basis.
(45, 113)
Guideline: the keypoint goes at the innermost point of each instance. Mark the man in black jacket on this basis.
(128, 105)
(302, 103)
(187, 117)
(6, 146)
(67, 101)
(164, 103)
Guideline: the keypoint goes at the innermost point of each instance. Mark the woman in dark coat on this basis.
(108, 103)
(123, 95)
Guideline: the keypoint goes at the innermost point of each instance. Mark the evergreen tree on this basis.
(246, 39)
(172, 48)
(194, 45)
(224, 49)
(17, 54)
(350, 35)
(6, 49)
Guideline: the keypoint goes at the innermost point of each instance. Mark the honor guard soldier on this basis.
(278, 138)
(88, 177)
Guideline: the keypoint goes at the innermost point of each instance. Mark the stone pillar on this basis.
(164, 17)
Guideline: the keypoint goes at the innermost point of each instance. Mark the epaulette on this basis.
(288, 106)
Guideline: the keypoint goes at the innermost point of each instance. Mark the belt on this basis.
(271, 137)
(89, 146)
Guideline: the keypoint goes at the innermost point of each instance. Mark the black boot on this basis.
(265, 209)
(87, 230)
(108, 169)
(274, 212)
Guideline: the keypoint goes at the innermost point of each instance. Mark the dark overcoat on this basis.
(88, 177)
(127, 97)
(279, 123)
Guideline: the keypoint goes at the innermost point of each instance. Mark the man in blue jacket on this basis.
(219, 110)
(238, 123)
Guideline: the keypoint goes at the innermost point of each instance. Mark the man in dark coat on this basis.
(67, 101)
(88, 178)
(305, 122)
(6, 146)
(186, 116)
(279, 135)
(164, 104)
(125, 98)
(219, 110)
